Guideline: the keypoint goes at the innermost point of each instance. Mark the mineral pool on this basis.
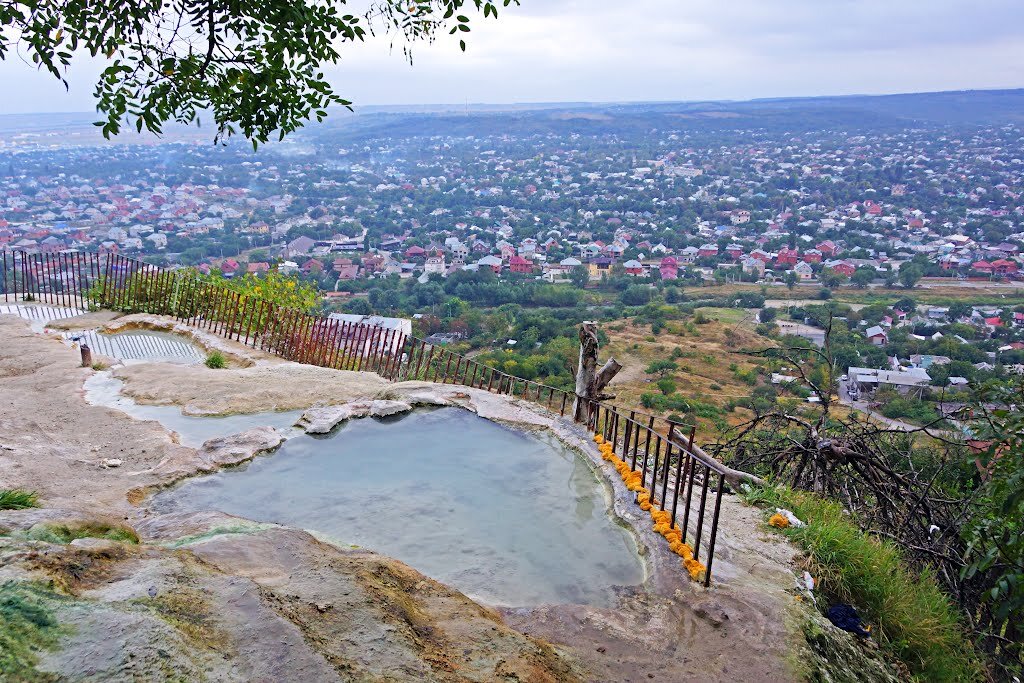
(39, 314)
(142, 345)
(508, 518)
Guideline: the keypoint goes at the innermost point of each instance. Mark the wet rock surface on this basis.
(321, 420)
(221, 600)
(835, 656)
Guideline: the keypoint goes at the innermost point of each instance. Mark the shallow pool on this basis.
(141, 345)
(39, 314)
(103, 389)
(506, 517)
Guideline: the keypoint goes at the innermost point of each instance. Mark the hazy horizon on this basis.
(602, 51)
(559, 103)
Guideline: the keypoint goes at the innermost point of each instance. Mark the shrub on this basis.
(666, 386)
(746, 376)
(216, 360)
(909, 409)
(18, 499)
(678, 403)
(661, 367)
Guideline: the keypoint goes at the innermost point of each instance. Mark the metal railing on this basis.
(678, 476)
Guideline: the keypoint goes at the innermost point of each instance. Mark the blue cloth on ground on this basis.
(846, 618)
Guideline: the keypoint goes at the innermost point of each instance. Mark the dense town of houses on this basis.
(817, 209)
(772, 210)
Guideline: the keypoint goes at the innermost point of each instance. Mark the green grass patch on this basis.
(18, 499)
(28, 627)
(216, 360)
(54, 532)
(912, 618)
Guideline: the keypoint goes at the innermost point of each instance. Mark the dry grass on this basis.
(711, 356)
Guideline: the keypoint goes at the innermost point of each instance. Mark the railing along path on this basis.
(678, 476)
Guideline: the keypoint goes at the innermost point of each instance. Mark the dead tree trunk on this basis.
(590, 382)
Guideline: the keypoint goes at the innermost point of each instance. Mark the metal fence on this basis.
(678, 476)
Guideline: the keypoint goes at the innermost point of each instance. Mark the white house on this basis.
(803, 271)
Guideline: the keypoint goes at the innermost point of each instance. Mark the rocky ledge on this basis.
(207, 596)
(322, 419)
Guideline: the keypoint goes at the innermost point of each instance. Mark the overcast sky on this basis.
(618, 50)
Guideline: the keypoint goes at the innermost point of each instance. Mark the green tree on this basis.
(637, 295)
(863, 277)
(661, 367)
(996, 537)
(359, 306)
(910, 274)
(666, 386)
(831, 278)
(257, 66)
(579, 276)
(957, 310)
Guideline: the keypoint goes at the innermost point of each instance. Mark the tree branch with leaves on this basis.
(255, 66)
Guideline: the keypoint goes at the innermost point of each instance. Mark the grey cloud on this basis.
(571, 50)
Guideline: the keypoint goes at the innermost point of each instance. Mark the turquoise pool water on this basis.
(508, 518)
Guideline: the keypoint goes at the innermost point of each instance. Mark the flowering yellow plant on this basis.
(681, 549)
(696, 569)
(662, 519)
(778, 521)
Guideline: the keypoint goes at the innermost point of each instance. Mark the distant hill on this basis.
(953, 107)
(853, 112)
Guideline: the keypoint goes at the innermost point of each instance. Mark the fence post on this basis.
(700, 513)
(714, 529)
